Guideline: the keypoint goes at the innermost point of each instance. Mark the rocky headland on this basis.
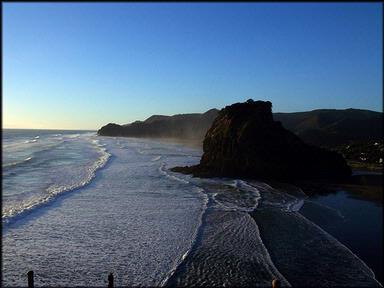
(355, 133)
(329, 127)
(245, 141)
(181, 126)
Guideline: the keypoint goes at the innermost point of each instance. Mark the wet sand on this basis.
(359, 202)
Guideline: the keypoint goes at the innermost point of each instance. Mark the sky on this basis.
(83, 65)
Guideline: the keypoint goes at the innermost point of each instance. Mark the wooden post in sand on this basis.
(275, 283)
(30, 279)
(110, 280)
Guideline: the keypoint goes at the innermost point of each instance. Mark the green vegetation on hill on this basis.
(367, 154)
(332, 127)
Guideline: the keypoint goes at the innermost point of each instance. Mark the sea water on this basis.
(77, 206)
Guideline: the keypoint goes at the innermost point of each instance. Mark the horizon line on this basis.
(95, 129)
(9, 128)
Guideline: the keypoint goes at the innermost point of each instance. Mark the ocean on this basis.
(77, 206)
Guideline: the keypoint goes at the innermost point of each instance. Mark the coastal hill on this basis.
(318, 127)
(184, 126)
(332, 126)
(245, 141)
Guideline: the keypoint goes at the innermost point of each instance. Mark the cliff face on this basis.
(245, 141)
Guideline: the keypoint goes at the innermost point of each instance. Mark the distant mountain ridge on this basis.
(185, 126)
(318, 127)
(333, 126)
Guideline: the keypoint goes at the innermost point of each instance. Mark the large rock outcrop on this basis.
(245, 141)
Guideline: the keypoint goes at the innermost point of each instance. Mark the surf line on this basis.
(196, 240)
(53, 193)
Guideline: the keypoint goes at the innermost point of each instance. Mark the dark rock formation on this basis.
(245, 141)
(111, 129)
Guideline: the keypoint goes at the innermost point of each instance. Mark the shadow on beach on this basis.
(362, 185)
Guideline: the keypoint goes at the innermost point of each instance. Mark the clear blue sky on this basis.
(83, 65)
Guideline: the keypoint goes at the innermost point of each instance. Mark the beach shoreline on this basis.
(361, 194)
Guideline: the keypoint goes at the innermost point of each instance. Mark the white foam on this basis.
(53, 190)
(17, 162)
(140, 151)
(73, 135)
(281, 199)
(248, 201)
(99, 163)
(140, 226)
(295, 206)
(193, 239)
(164, 172)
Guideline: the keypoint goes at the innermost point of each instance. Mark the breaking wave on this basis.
(10, 214)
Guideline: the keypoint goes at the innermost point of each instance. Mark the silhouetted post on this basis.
(30, 279)
(110, 280)
(275, 283)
